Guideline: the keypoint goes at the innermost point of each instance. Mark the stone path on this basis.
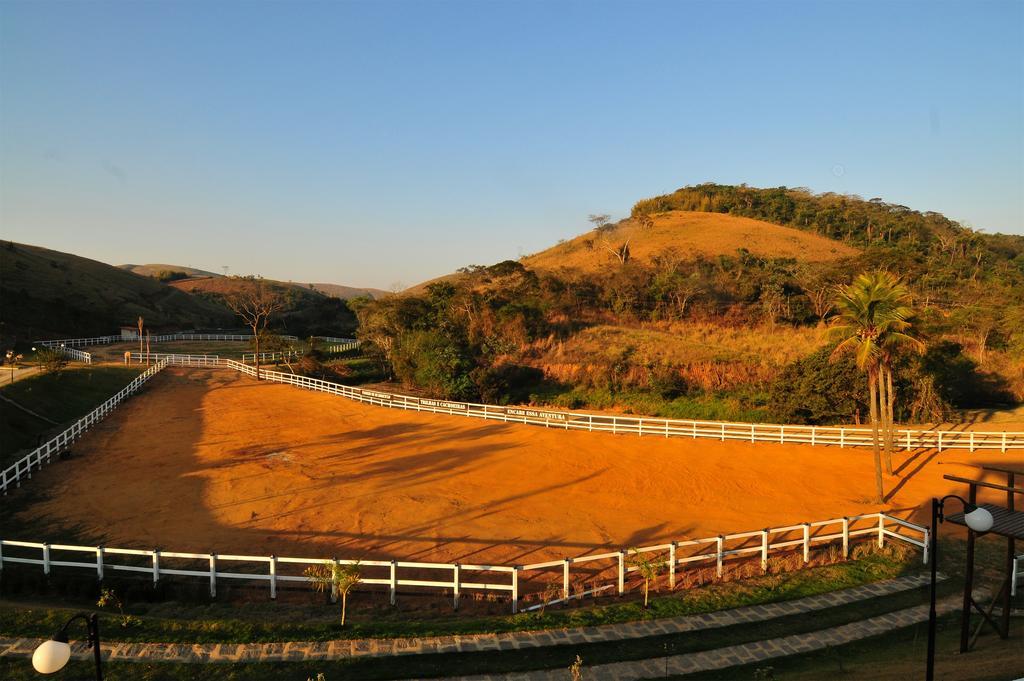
(339, 649)
(746, 653)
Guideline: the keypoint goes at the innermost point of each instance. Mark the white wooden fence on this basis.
(269, 356)
(343, 347)
(161, 338)
(179, 360)
(80, 342)
(456, 578)
(78, 355)
(34, 460)
(651, 426)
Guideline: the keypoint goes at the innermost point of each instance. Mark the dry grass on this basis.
(709, 356)
(690, 234)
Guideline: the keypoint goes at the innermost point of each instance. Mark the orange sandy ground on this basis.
(211, 460)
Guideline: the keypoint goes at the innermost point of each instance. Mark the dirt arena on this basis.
(211, 460)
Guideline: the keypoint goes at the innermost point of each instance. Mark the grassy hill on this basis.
(47, 293)
(307, 311)
(709, 302)
(689, 234)
(156, 269)
(350, 292)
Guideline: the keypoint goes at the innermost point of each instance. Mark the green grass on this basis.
(268, 621)
(62, 397)
(730, 406)
(353, 370)
(432, 665)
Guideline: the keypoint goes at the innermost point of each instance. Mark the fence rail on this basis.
(655, 427)
(455, 578)
(23, 467)
(176, 359)
(75, 354)
(269, 356)
(160, 338)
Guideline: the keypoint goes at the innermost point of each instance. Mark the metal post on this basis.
(881, 530)
(933, 544)
(99, 563)
(807, 542)
(273, 576)
(46, 559)
(764, 550)
(156, 566)
(213, 575)
(846, 537)
(965, 615)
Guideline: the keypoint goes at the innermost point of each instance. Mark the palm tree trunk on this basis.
(891, 407)
(883, 402)
(873, 394)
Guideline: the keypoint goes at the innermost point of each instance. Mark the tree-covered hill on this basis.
(667, 307)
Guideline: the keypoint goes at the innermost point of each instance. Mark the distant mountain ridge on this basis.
(333, 290)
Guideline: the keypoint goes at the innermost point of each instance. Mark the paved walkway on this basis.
(339, 649)
(746, 653)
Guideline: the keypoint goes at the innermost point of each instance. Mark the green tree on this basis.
(872, 316)
(337, 578)
(649, 568)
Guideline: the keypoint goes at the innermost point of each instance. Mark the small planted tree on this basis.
(109, 597)
(52, 360)
(648, 567)
(255, 305)
(334, 577)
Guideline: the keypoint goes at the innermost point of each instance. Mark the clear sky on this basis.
(383, 142)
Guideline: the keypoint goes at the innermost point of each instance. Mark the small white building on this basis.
(130, 332)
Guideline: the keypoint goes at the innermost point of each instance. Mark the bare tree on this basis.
(255, 305)
(140, 334)
(621, 253)
(599, 221)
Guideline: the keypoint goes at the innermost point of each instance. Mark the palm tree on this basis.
(871, 319)
(336, 577)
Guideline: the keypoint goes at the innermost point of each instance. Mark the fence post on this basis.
(723, 432)
(393, 587)
(764, 550)
(1004, 442)
(213, 575)
(813, 433)
(927, 544)
(99, 563)
(622, 572)
(940, 442)
(846, 537)
(842, 438)
(807, 542)
(455, 582)
(972, 442)
(156, 566)
(565, 579)
(672, 565)
(46, 559)
(273, 576)
(881, 530)
(718, 561)
(515, 589)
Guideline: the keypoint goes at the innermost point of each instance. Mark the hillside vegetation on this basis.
(47, 293)
(689, 234)
(306, 311)
(712, 300)
(156, 270)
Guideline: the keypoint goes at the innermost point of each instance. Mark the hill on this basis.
(307, 311)
(689, 234)
(350, 292)
(155, 270)
(47, 293)
(708, 302)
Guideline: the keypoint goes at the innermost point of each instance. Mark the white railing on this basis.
(80, 342)
(269, 356)
(453, 578)
(161, 338)
(332, 339)
(78, 355)
(655, 427)
(342, 347)
(22, 468)
(180, 360)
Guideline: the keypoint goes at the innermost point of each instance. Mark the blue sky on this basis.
(385, 142)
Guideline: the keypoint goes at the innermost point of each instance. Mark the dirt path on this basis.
(211, 460)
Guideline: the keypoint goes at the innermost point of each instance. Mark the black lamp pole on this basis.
(933, 552)
(93, 625)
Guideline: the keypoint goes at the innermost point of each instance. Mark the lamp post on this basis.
(979, 520)
(51, 656)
